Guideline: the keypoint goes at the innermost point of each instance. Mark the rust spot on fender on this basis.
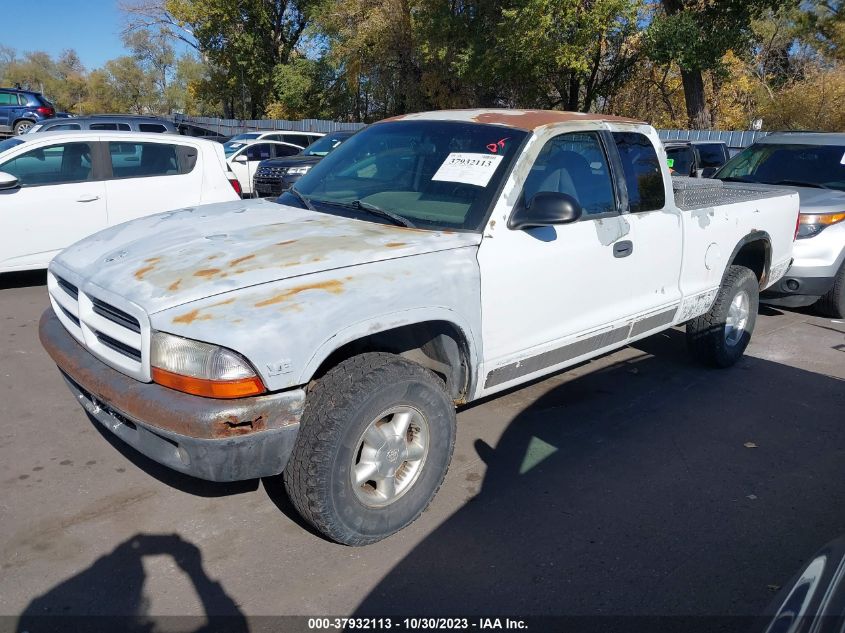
(190, 317)
(207, 272)
(333, 286)
(395, 244)
(240, 260)
(286, 242)
(139, 274)
(174, 286)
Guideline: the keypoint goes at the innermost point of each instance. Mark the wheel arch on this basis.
(434, 339)
(754, 251)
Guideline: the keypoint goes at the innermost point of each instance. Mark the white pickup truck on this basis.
(431, 260)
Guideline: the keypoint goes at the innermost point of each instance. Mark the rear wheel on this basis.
(719, 337)
(374, 445)
(22, 126)
(832, 304)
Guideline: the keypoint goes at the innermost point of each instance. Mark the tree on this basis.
(696, 34)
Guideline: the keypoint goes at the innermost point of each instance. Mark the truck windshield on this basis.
(433, 174)
(819, 166)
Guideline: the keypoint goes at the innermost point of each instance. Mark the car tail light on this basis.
(236, 185)
(45, 111)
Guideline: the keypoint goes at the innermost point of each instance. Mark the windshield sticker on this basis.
(494, 147)
(472, 169)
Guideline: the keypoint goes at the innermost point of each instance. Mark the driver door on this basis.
(59, 201)
(552, 294)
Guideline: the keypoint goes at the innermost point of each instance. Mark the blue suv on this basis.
(21, 109)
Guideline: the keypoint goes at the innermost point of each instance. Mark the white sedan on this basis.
(243, 158)
(58, 187)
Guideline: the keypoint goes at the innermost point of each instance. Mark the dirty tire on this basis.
(832, 304)
(22, 126)
(342, 404)
(706, 338)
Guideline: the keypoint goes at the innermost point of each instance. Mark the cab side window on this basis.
(143, 160)
(574, 164)
(642, 171)
(53, 165)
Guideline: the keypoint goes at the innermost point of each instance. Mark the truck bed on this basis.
(700, 193)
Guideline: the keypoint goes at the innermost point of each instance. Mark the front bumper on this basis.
(794, 291)
(217, 440)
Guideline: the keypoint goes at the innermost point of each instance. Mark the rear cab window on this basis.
(641, 167)
(711, 154)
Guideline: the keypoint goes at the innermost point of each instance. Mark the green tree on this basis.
(695, 35)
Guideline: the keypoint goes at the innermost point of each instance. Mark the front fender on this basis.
(286, 328)
(389, 321)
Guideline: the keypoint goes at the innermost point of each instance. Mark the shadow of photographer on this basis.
(109, 595)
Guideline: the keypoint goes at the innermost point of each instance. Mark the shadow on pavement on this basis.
(652, 487)
(23, 279)
(109, 596)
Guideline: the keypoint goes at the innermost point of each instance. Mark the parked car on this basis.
(274, 175)
(111, 122)
(21, 109)
(243, 158)
(300, 139)
(814, 165)
(430, 260)
(58, 187)
(697, 159)
(814, 600)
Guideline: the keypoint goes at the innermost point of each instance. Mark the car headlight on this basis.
(298, 171)
(201, 369)
(810, 224)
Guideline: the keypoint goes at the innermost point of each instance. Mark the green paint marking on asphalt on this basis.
(537, 451)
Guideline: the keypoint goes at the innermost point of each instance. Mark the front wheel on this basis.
(374, 445)
(719, 337)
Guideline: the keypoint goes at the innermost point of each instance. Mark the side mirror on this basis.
(8, 181)
(240, 158)
(546, 208)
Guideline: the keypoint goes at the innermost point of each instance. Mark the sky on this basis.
(91, 27)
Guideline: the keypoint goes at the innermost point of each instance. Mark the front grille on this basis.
(115, 331)
(68, 287)
(117, 346)
(270, 172)
(115, 315)
(70, 316)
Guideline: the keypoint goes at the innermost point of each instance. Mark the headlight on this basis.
(201, 369)
(298, 171)
(810, 225)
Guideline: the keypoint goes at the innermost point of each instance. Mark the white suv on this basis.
(813, 164)
(58, 187)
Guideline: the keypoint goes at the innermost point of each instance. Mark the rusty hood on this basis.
(172, 258)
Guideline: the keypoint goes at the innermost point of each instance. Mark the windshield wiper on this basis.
(372, 209)
(302, 199)
(801, 183)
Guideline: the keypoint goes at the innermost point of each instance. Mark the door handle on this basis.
(623, 248)
(87, 198)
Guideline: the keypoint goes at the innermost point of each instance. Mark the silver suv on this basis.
(813, 164)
